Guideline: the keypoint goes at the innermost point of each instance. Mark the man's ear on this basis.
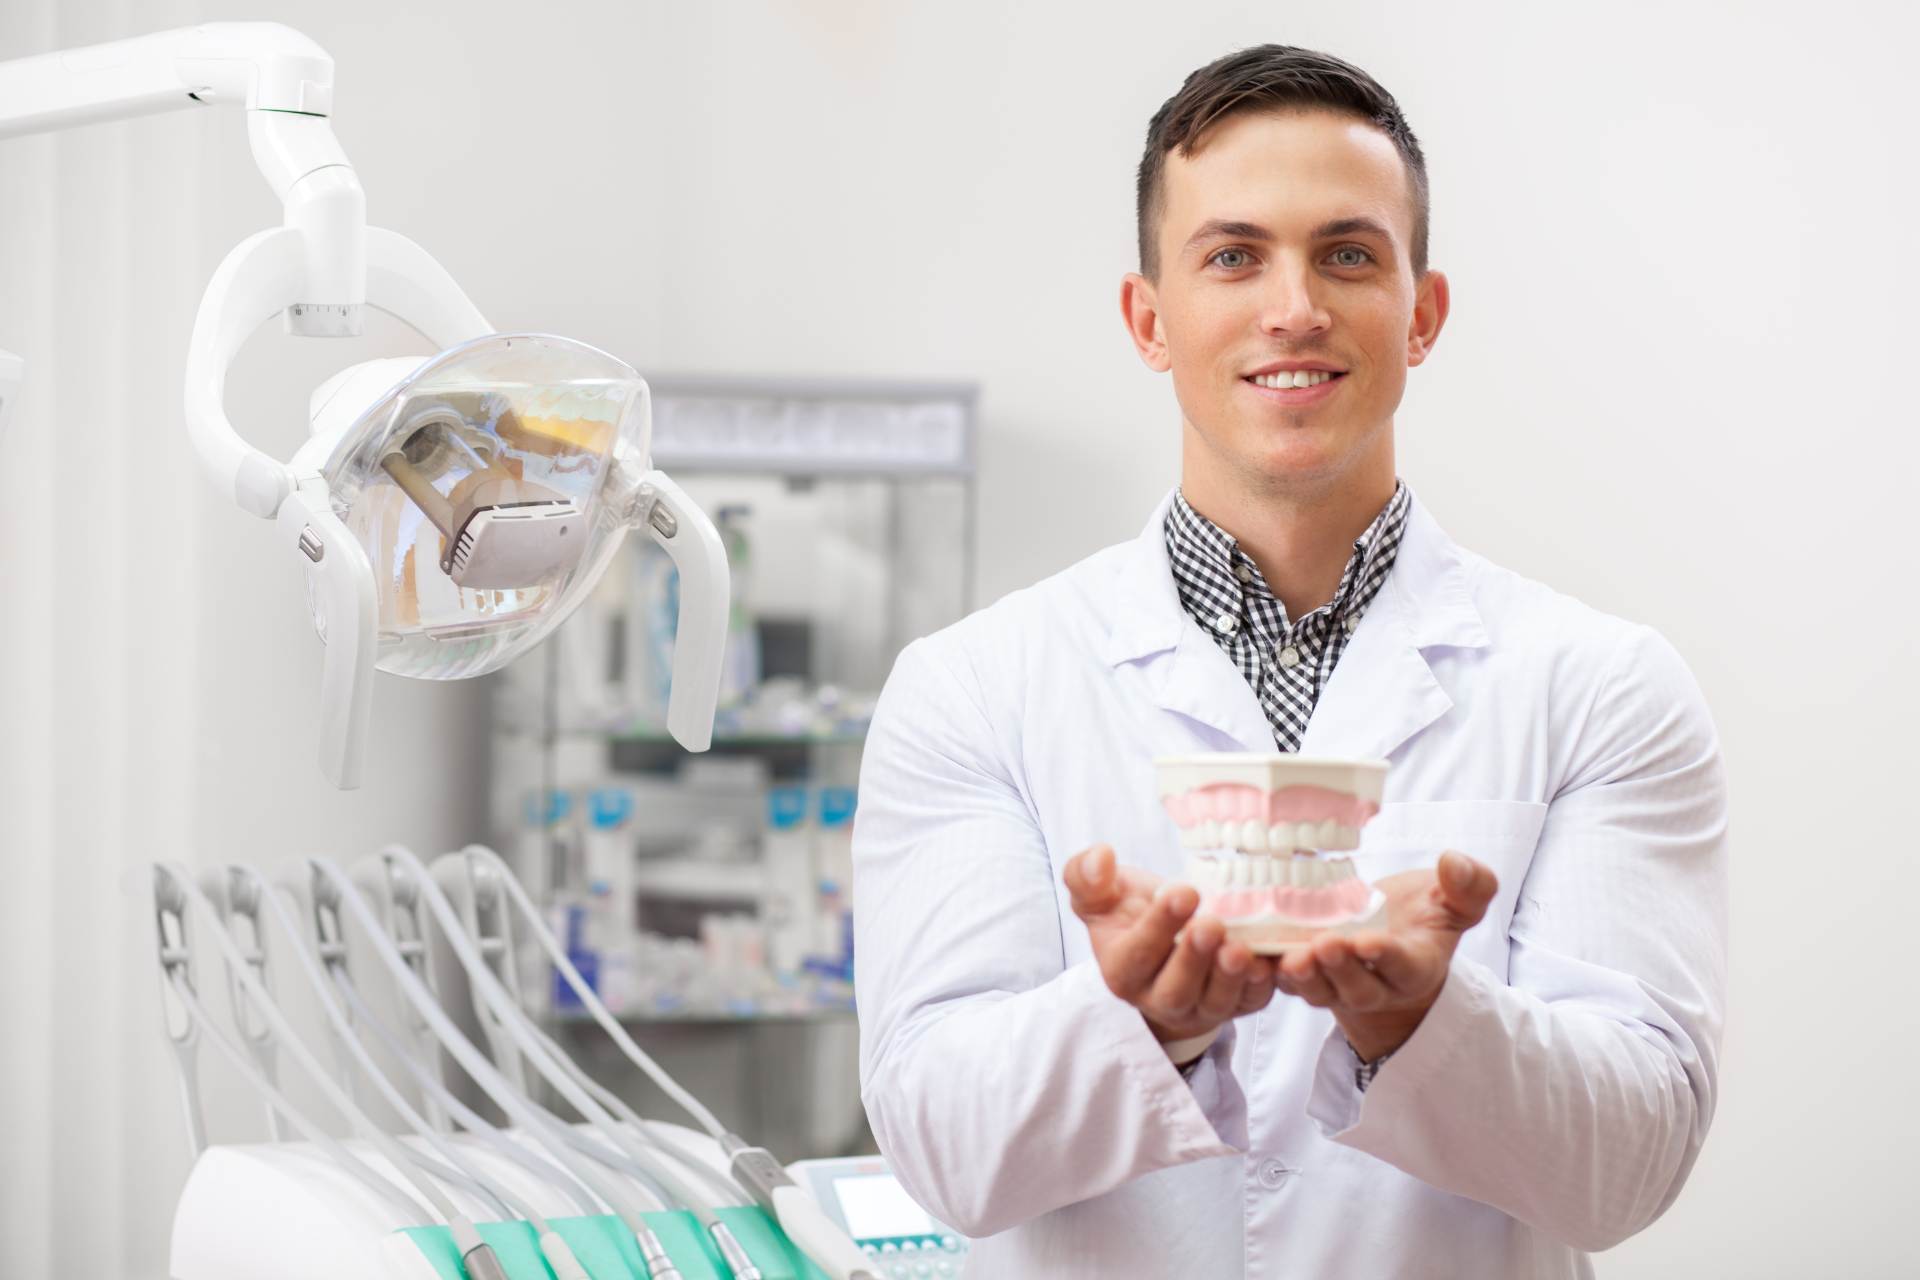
(1431, 299)
(1140, 308)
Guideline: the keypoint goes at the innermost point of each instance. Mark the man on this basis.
(1056, 1055)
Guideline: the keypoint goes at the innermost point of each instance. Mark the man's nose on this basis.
(1293, 304)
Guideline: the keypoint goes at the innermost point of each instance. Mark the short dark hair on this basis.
(1270, 77)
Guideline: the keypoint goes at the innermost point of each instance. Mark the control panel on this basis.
(904, 1240)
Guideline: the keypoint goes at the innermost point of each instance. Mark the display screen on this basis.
(876, 1207)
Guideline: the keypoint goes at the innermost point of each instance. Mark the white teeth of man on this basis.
(1295, 378)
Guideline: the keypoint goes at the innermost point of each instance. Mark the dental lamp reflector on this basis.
(488, 487)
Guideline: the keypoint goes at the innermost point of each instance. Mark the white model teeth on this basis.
(1296, 378)
(1280, 838)
(1253, 836)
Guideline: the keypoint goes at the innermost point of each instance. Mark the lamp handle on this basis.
(678, 524)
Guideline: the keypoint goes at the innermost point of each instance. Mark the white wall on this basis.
(1681, 263)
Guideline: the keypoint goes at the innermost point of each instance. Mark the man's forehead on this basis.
(1289, 171)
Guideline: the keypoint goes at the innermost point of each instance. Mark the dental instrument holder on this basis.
(175, 954)
(320, 270)
(236, 896)
(403, 915)
(484, 912)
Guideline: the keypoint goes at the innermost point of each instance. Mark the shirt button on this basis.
(1225, 623)
(1272, 1173)
(1289, 657)
(1243, 573)
(1353, 620)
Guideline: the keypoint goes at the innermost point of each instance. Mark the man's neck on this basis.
(1301, 541)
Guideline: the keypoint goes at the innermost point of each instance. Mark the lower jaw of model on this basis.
(1265, 835)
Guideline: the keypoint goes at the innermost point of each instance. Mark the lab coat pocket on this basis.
(1500, 833)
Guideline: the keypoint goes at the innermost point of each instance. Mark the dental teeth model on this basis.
(1264, 835)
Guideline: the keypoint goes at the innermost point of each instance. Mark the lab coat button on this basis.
(1272, 1173)
(1289, 657)
(1225, 623)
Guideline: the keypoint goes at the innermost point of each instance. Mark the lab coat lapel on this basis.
(1383, 691)
(1183, 667)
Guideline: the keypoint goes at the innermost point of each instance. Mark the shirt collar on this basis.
(1207, 560)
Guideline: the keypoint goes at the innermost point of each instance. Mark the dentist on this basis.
(1056, 1056)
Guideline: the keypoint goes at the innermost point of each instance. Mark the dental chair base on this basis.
(286, 1210)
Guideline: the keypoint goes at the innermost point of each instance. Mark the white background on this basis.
(1680, 238)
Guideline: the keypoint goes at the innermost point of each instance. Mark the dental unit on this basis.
(447, 512)
(1268, 837)
(478, 1201)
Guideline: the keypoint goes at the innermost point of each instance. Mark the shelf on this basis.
(634, 1017)
(750, 740)
(661, 738)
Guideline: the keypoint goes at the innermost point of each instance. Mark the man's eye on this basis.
(1359, 257)
(1231, 259)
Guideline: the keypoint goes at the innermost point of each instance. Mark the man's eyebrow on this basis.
(1215, 227)
(1352, 226)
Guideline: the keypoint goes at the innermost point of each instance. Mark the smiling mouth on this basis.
(1289, 381)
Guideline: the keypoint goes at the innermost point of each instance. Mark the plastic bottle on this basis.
(787, 853)
(833, 858)
(610, 887)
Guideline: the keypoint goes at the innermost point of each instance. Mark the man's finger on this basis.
(1091, 882)
(1226, 979)
(1303, 977)
(1402, 971)
(1131, 962)
(1259, 988)
(1358, 987)
(1466, 887)
(1182, 980)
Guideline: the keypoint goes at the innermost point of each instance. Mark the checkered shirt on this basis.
(1287, 663)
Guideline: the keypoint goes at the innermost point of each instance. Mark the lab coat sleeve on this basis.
(1574, 1092)
(1001, 1082)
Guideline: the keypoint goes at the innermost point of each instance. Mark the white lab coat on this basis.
(1552, 1101)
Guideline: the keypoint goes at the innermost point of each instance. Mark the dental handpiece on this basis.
(566, 1266)
(755, 1169)
(531, 1118)
(506, 1010)
(403, 1159)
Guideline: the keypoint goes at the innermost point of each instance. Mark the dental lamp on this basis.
(448, 513)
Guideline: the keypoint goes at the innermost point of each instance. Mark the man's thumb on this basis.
(1468, 886)
(1090, 880)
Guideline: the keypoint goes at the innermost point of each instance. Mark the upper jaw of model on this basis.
(1263, 832)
